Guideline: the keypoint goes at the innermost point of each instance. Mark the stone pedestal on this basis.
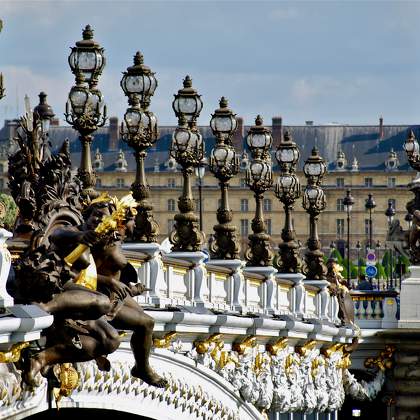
(235, 285)
(5, 262)
(269, 291)
(410, 300)
(298, 293)
(151, 273)
(197, 288)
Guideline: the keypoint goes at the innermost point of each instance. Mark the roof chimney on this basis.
(113, 134)
(381, 128)
(277, 129)
(238, 137)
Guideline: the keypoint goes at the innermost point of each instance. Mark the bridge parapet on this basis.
(376, 309)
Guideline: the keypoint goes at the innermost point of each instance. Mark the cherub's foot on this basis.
(149, 376)
(31, 370)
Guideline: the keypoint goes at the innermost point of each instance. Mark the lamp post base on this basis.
(187, 236)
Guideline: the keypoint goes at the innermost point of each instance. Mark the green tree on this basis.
(11, 211)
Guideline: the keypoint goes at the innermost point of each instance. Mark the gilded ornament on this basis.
(304, 350)
(165, 341)
(203, 346)
(245, 345)
(383, 361)
(275, 348)
(69, 379)
(13, 355)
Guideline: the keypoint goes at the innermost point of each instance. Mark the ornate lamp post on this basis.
(390, 214)
(224, 164)
(348, 202)
(358, 248)
(85, 109)
(287, 190)
(259, 178)
(370, 206)
(411, 147)
(200, 171)
(314, 202)
(188, 150)
(2, 90)
(139, 130)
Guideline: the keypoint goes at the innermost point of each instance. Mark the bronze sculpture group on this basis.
(71, 262)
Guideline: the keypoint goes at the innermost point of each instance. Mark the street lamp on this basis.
(85, 109)
(2, 90)
(200, 171)
(370, 206)
(314, 202)
(390, 213)
(411, 147)
(348, 202)
(287, 190)
(358, 248)
(87, 58)
(44, 111)
(259, 178)
(139, 130)
(224, 164)
(187, 148)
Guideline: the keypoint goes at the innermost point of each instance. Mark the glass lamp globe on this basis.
(411, 145)
(44, 112)
(139, 80)
(223, 122)
(287, 152)
(259, 137)
(79, 97)
(87, 57)
(314, 166)
(187, 102)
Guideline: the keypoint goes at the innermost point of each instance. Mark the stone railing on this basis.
(375, 309)
(230, 287)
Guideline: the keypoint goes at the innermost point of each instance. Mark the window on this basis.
(243, 183)
(98, 182)
(394, 203)
(171, 204)
(392, 182)
(367, 227)
(120, 182)
(244, 204)
(369, 182)
(219, 203)
(268, 226)
(267, 204)
(340, 204)
(1, 168)
(171, 182)
(171, 224)
(1, 183)
(244, 227)
(97, 165)
(340, 228)
(340, 182)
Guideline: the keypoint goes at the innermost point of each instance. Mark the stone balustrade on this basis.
(375, 309)
(228, 286)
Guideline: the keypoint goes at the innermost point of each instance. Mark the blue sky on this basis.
(327, 61)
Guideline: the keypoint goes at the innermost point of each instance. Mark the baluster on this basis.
(369, 309)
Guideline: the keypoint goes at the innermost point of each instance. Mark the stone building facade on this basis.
(366, 159)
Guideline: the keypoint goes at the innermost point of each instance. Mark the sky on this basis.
(326, 61)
